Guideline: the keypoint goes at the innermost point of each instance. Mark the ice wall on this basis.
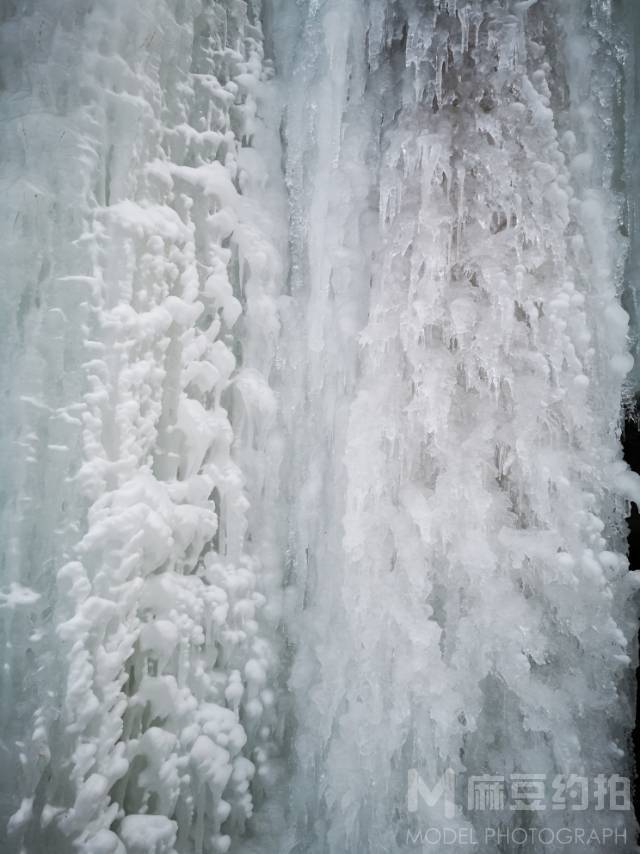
(455, 385)
(137, 695)
(627, 179)
(385, 415)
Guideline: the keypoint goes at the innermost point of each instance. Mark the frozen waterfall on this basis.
(318, 323)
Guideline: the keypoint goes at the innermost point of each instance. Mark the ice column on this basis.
(139, 277)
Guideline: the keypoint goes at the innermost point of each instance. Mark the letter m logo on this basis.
(444, 788)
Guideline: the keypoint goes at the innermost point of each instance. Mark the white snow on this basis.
(155, 262)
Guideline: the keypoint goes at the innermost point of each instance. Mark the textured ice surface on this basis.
(373, 400)
(139, 664)
(457, 378)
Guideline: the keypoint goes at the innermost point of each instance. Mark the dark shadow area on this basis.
(631, 449)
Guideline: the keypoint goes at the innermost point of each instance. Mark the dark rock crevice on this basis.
(631, 450)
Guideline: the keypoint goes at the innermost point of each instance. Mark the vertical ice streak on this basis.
(457, 530)
(627, 21)
(139, 286)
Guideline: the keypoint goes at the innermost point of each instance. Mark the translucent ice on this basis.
(456, 363)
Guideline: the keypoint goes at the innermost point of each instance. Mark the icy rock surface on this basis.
(627, 20)
(139, 662)
(458, 490)
(385, 417)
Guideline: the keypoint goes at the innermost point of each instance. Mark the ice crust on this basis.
(463, 598)
(309, 450)
(140, 670)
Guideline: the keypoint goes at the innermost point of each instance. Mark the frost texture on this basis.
(137, 262)
(404, 424)
(463, 590)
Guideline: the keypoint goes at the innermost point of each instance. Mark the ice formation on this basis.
(314, 357)
(138, 645)
(462, 598)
